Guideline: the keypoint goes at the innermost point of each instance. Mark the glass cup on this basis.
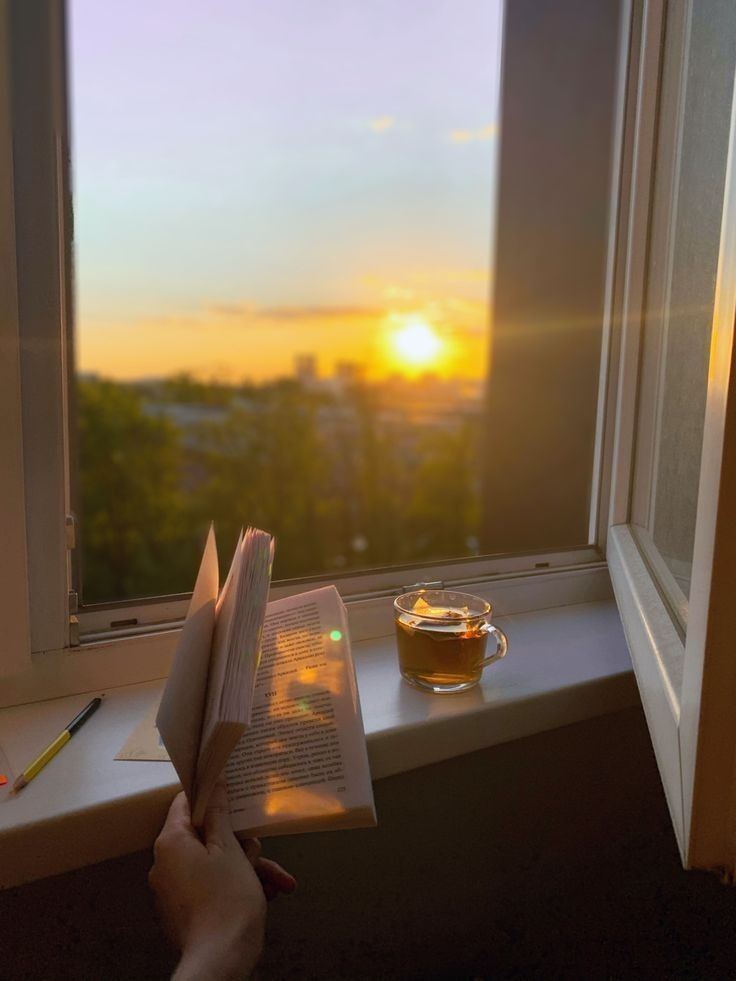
(441, 637)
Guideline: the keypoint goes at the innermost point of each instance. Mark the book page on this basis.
(244, 647)
(225, 613)
(180, 714)
(304, 755)
(234, 661)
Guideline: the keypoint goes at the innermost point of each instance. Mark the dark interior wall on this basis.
(549, 857)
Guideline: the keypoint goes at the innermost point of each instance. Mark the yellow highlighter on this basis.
(53, 748)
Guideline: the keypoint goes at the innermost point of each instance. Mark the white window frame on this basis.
(687, 686)
(38, 254)
(50, 664)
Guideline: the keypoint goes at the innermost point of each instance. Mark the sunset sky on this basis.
(254, 180)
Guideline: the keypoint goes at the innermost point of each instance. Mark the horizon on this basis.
(324, 379)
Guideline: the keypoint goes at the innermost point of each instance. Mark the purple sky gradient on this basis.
(228, 152)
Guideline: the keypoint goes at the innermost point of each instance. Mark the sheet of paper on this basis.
(145, 742)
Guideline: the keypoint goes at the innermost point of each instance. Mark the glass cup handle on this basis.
(502, 644)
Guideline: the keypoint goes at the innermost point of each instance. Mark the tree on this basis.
(137, 539)
(266, 464)
(445, 505)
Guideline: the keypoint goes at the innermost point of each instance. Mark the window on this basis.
(324, 370)
(527, 400)
(689, 174)
(671, 548)
(640, 130)
(282, 233)
(527, 403)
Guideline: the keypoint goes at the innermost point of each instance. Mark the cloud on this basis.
(398, 293)
(251, 313)
(472, 135)
(419, 280)
(233, 309)
(382, 123)
(451, 275)
(318, 313)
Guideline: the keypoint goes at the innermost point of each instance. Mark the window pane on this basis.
(687, 265)
(283, 218)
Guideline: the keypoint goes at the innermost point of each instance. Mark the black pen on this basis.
(53, 748)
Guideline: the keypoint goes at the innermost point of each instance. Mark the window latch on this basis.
(70, 529)
(70, 534)
(73, 607)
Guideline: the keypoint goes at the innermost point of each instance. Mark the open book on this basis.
(269, 693)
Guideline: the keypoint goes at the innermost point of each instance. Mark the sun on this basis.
(416, 344)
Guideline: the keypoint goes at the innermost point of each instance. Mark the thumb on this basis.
(217, 827)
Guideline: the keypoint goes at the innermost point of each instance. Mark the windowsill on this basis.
(565, 665)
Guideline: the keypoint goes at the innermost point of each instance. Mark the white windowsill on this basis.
(564, 665)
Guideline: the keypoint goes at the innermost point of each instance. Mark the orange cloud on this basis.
(230, 341)
(318, 312)
(382, 123)
(249, 313)
(473, 135)
(432, 279)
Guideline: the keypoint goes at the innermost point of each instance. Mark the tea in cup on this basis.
(442, 637)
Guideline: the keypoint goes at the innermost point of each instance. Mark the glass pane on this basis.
(687, 265)
(283, 220)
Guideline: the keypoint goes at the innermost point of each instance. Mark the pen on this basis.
(53, 748)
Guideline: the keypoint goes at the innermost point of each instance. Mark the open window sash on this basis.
(686, 669)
